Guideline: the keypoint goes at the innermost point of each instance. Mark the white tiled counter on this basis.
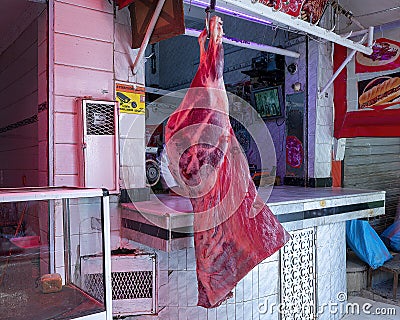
(309, 271)
(165, 222)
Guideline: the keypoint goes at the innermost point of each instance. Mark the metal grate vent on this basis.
(298, 276)
(132, 285)
(133, 282)
(94, 285)
(100, 119)
(125, 285)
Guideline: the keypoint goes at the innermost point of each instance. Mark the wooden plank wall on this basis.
(374, 163)
(18, 110)
(83, 67)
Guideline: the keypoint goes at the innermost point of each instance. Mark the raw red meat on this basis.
(233, 229)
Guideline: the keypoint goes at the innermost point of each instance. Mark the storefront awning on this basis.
(170, 22)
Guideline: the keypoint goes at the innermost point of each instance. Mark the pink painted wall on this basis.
(42, 96)
(91, 51)
(83, 66)
(19, 110)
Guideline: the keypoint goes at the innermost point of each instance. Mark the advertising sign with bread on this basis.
(367, 92)
(379, 93)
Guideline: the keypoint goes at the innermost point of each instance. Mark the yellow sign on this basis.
(131, 98)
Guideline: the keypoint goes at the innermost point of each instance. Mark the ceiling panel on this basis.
(369, 13)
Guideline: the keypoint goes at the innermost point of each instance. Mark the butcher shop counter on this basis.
(165, 222)
(303, 278)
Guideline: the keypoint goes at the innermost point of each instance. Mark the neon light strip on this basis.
(229, 12)
(256, 12)
(248, 44)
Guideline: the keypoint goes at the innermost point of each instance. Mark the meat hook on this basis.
(348, 35)
(210, 9)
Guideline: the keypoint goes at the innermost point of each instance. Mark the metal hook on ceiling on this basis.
(348, 35)
(208, 23)
(334, 27)
(210, 9)
(362, 40)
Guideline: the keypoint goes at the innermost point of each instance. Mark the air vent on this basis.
(99, 163)
(125, 285)
(133, 280)
(100, 119)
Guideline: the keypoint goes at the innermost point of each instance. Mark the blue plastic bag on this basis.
(366, 243)
(391, 236)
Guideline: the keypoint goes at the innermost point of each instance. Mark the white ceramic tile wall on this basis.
(320, 118)
(115, 218)
(255, 295)
(132, 127)
(322, 169)
(323, 134)
(132, 177)
(178, 289)
(86, 238)
(323, 154)
(331, 266)
(132, 152)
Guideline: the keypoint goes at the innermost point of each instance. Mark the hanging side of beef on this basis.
(233, 228)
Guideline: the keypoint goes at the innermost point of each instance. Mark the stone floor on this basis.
(373, 310)
(21, 297)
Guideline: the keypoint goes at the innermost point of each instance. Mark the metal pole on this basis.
(248, 44)
(147, 36)
(261, 11)
(50, 119)
(345, 62)
(67, 240)
(370, 36)
(105, 207)
(348, 59)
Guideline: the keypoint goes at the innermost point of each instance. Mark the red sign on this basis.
(376, 112)
(385, 56)
(309, 10)
(294, 152)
